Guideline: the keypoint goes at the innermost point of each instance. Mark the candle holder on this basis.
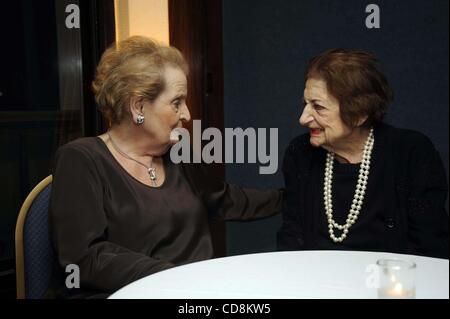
(396, 279)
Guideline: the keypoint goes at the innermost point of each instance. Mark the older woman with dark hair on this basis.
(353, 182)
(120, 209)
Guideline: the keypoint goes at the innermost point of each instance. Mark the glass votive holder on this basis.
(396, 279)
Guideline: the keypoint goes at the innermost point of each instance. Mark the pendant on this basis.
(152, 173)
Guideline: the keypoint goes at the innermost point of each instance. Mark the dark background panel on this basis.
(266, 48)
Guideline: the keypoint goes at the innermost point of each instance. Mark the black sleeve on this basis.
(290, 236)
(79, 227)
(231, 202)
(428, 222)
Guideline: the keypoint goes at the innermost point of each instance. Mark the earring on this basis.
(139, 119)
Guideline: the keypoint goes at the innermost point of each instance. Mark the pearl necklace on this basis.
(358, 198)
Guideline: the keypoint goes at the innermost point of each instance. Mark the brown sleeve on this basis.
(79, 227)
(232, 202)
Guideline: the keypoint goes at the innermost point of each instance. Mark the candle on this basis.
(396, 279)
(396, 291)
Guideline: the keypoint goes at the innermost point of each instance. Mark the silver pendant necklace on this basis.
(150, 169)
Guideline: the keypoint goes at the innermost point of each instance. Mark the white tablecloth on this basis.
(287, 275)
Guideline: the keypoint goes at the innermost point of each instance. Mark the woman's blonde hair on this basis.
(132, 68)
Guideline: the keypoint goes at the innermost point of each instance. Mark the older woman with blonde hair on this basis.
(354, 182)
(120, 209)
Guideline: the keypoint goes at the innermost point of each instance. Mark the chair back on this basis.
(34, 251)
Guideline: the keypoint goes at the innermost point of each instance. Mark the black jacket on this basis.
(416, 221)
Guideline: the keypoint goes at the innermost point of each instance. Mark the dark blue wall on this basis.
(267, 44)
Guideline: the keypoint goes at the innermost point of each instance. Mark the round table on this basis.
(285, 275)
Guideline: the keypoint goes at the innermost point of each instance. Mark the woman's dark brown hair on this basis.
(353, 78)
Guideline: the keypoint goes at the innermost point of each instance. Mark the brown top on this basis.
(117, 229)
